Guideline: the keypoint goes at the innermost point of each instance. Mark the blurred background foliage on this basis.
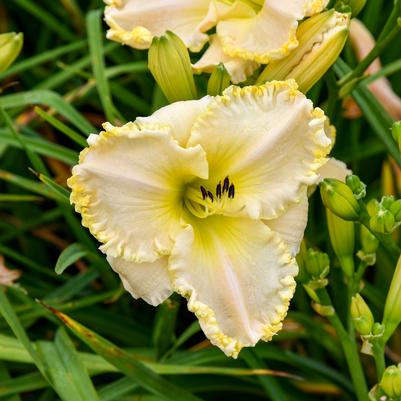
(67, 81)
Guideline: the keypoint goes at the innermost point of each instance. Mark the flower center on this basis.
(203, 202)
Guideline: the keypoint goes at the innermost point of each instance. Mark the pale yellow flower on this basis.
(208, 198)
(248, 32)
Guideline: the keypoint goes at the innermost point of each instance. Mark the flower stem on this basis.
(350, 350)
(378, 354)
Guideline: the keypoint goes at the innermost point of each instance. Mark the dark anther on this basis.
(210, 195)
(218, 190)
(204, 192)
(231, 191)
(226, 184)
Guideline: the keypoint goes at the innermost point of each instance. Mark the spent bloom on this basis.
(208, 198)
(247, 32)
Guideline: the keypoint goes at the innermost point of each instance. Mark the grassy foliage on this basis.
(68, 80)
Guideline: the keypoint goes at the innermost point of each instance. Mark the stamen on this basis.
(210, 195)
(204, 192)
(226, 184)
(231, 191)
(218, 190)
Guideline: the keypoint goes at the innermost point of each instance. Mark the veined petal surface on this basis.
(268, 140)
(237, 275)
(292, 223)
(128, 187)
(149, 281)
(136, 22)
(178, 116)
(271, 34)
(239, 69)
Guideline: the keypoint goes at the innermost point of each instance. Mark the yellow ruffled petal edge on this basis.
(311, 8)
(82, 199)
(206, 316)
(139, 37)
(322, 139)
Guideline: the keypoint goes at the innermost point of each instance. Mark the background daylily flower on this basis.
(248, 32)
(208, 198)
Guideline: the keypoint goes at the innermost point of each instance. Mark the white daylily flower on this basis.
(238, 68)
(248, 31)
(208, 198)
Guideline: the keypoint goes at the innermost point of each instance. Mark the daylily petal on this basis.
(334, 169)
(268, 140)
(239, 69)
(292, 223)
(128, 188)
(136, 22)
(237, 275)
(149, 281)
(179, 117)
(271, 34)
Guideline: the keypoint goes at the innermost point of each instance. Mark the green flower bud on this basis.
(170, 65)
(218, 81)
(383, 222)
(10, 48)
(387, 201)
(321, 40)
(373, 207)
(392, 308)
(342, 237)
(338, 198)
(391, 382)
(369, 242)
(395, 209)
(356, 5)
(317, 264)
(361, 315)
(357, 186)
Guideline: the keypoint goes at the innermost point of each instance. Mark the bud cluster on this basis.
(385, 216)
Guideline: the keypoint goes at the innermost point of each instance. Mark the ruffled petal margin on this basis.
(238, 278)
(239, 69)
(271, 34)
(178, 116)
(269, 141)
(128, 187)
(136, 22)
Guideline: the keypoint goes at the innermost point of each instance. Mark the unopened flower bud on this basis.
(10, 47)
(357, 186)
(170, 65)
(361, 315)
(317, 264)
(395, 209)
(356, 6)
(392, 308)
(391, 382)
(369, 242)
(338, 198)
(342, 239)
(387, 201)
(218, 81)
(383, 222)
(321, 39)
